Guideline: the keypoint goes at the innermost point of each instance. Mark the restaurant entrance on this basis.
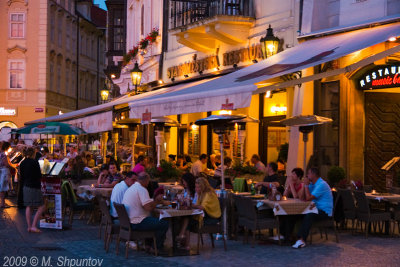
(272, 136)
(382, 134)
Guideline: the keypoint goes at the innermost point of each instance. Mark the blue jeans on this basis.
(153, 224)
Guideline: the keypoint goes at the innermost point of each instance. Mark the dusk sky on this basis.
(101, 4)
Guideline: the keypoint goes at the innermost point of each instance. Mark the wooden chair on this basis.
(365, 214)
(127, 234)
(212, 229)
(249, 219)
(73, 203)
(110, 227)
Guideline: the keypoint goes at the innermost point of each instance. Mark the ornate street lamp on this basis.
(269, 43)
(104, 94)
(136, 76)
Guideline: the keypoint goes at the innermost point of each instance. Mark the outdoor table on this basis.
(388, 198)
(172, 215)
(291, 206)
(95, 191)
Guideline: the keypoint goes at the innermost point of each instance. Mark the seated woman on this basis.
(293, 184)
(189, 185)
(103, 174)
(181, 163)
(208, 202)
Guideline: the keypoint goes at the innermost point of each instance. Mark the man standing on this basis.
(199, 166)
(139, 205)
(317, 190)
(271, 180)
(119, 190)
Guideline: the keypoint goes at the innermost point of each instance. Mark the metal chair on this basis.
(249, 218)
(110, 227)
(364, 213)
(127, 234)
(348, 206)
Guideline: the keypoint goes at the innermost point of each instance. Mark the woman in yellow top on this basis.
(207, 201)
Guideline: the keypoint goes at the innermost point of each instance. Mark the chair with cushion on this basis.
(127, 234)
(110, 227)
(213, 228)
(73, 203)
(365, 214)
(250, 219)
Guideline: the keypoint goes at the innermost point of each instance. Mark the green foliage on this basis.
(335, 175)
(166, 171)
(238, 169)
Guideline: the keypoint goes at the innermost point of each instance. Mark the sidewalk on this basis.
(82, 242)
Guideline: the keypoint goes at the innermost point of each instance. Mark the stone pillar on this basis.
(104, 139)
(241, 139)
(65, 138)
(159, 143)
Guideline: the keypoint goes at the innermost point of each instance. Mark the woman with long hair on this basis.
(189, 184)
(208, 202)
(5, 174)
(31, 175)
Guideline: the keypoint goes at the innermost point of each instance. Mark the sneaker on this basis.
(277, 237)
(132, 245)
(299, 244)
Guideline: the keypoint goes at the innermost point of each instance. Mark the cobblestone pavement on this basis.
(82, 242)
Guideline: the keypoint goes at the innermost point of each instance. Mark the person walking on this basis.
(5, 174)
(31, 175)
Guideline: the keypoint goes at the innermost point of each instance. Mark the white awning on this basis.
(235, 89)
(101, 122)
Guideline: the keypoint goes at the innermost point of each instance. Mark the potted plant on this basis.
(165, 172)
(335, 175)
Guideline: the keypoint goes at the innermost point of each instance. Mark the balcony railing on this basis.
(186, 12)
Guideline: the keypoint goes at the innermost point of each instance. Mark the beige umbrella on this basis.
(305, 124)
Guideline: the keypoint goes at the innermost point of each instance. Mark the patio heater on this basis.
(133, 133)
(160, 124)
(306, 125)
(242, 133)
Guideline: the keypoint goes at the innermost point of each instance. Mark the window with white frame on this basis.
(58, 78)
(17, 25)
(16, 74)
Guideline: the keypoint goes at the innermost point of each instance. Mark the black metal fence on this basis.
(186, 12)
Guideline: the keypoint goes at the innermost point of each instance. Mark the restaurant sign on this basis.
(380, 77)
(8, 111)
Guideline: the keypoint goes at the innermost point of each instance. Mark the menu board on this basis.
(45, 166)
(51, 188)
(194, 141)
(57, 168)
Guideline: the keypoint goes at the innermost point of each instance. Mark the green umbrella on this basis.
(58, 128)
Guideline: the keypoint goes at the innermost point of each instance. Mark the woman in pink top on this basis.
(140, 165)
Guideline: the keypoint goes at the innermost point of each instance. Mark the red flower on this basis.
(159, 169)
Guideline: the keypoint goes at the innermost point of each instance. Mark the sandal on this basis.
(37, 231)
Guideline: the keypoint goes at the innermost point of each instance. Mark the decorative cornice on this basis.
(16, 48)
(9, 2)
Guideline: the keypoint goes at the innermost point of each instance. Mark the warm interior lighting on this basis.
(60, 112)
(392, 39)
(122, 117)
(268, 94)
(113, 76)
(278, 109)
(136, 75)
(104, 94)
(225, 112)
(195, 127)
(8, 151)
(160, 81)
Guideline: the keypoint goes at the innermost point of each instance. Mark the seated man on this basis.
(270, 180)
(199, 166)
(317, 190)
(140, 165)
(139, 205)
(113, 178)
(119, 190)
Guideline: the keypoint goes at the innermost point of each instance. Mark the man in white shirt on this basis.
(199, 166)
(119, 190)
(139, 205)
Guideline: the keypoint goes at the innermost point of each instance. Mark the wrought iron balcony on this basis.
(186, 12)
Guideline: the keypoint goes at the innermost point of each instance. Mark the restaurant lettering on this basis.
(193, 66)
(242, 55)
(8, 111)
(229, 58)
(385, 76)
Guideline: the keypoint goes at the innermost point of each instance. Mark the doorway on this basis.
(382, 135)
(272, 136)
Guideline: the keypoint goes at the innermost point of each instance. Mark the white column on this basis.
(241, 138)
(159, 143)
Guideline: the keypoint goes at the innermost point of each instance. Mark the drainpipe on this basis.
(164, 37)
